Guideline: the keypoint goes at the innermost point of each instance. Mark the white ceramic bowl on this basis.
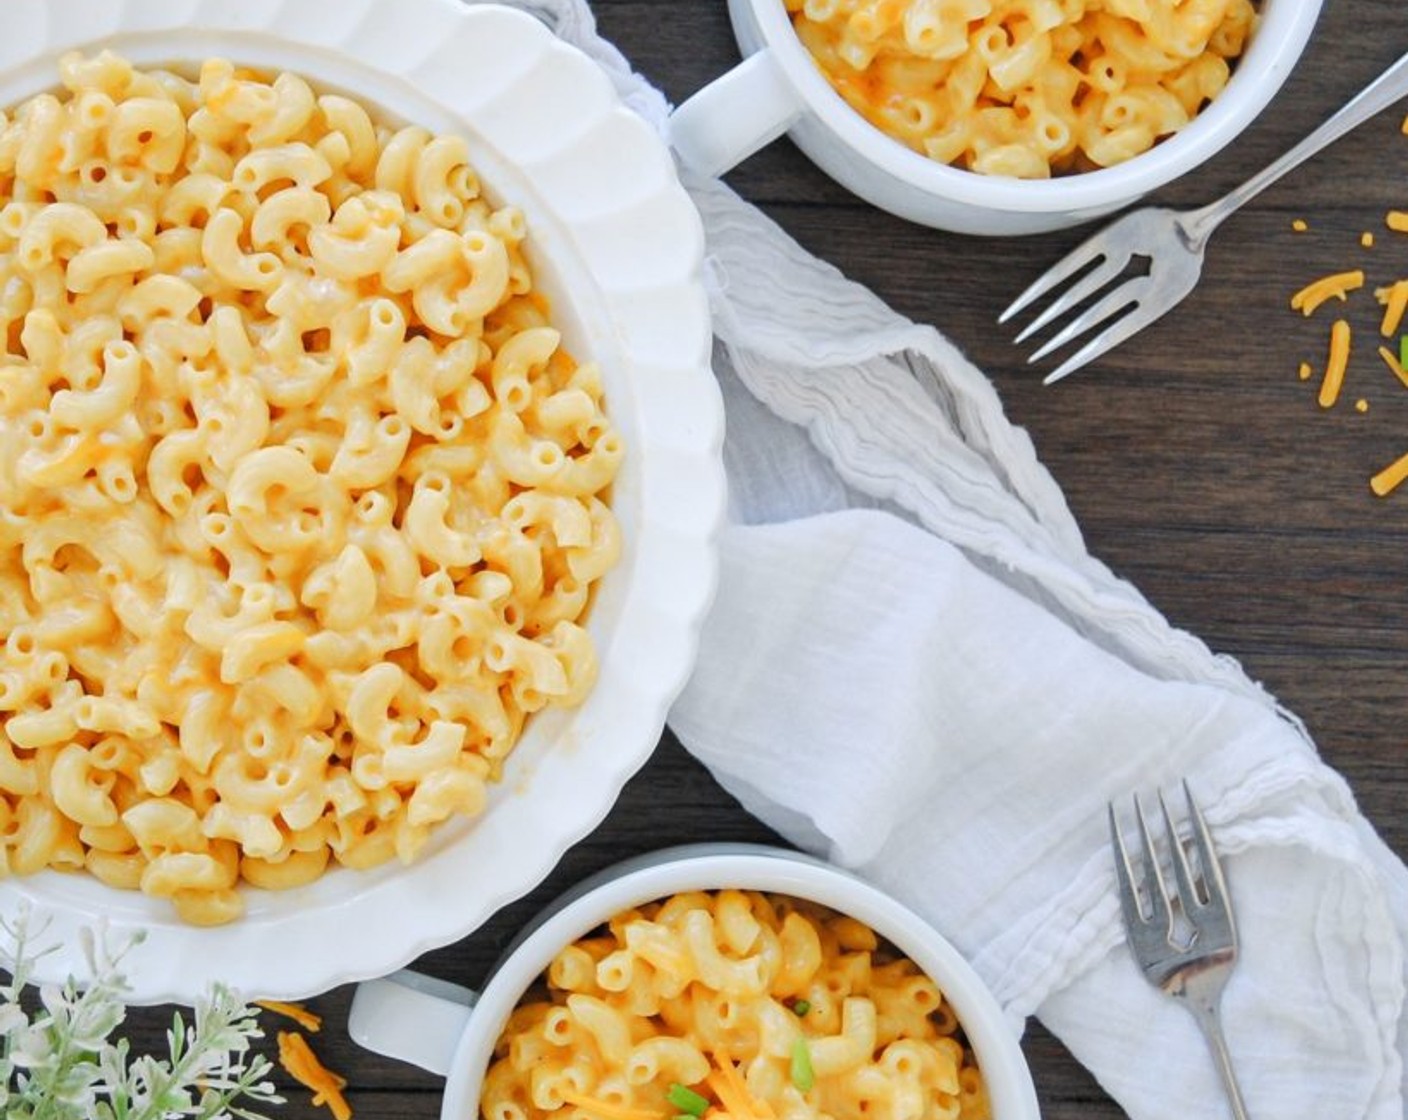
(451, 1031)
(617, 246)
(779, 88)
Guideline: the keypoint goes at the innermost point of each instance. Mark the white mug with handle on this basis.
(451, 1031)
(778, 88)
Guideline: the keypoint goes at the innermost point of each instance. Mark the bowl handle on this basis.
(411, 1017)
(735, 115)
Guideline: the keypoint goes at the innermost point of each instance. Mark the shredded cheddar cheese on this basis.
(1387, 480)
(736, 1107)
(609, 1110)
(303, 1066)
(1395, 301)
(295, 1011)
(1335, 368)
(733, 1092)
(1335, 286)
(1395, 367)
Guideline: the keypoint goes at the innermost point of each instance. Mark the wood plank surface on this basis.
(1196, 460)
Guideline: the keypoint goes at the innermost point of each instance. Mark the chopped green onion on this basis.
(801, 1007)
(686, 1099)
(803, 1076)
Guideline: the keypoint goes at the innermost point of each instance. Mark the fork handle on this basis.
(1377, 96)
(1205, 1011)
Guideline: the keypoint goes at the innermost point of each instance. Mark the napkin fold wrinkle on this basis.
(915, 668)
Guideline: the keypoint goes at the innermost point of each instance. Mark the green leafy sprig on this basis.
(60, 1061)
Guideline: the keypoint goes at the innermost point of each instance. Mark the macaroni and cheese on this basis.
(737, 1006)
(301, 498)
(1025, 88)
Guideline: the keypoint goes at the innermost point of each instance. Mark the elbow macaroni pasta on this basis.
(1026, 88)
(301, 498)
(717, 991)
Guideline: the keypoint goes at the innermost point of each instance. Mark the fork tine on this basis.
(1158, 894)
(1188, 892)
(1207, 856)
(1094, 315)
(1077, 259)
(1124, 875)
(1103, 342)
(1086, 286)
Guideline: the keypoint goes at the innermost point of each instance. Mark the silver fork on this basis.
(1173, 242)
(1185, 942)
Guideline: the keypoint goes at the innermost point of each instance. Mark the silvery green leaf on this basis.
(94, 1020)
(12, 1018)
(79, 1102)
(31, 1047)
(145, 1073)
(176, 1100)
(79, 1077)
(55, 1000)
(112, 1061)
(88, 943)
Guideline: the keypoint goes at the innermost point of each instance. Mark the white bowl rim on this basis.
(1283, 29)
(722, 865)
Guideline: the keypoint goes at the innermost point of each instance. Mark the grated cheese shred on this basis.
(1395, 301)
(303, 1066)
(1388, 479)
(733, 1093)
(1335, 286)
(607, 1109)
(1337, 365)
(295, 1011)
(1395, 367)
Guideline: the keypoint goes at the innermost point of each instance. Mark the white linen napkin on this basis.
(914, 668)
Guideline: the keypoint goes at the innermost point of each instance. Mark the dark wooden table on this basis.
(1197, 461)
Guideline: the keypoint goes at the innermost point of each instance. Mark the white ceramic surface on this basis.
(451, 1031)
(779, 88)
(617, 246)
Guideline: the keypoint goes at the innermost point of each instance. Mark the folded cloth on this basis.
(915, 669)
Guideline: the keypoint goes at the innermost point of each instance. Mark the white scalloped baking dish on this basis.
(617, 246)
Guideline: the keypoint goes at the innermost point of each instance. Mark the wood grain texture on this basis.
(1194, 457)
